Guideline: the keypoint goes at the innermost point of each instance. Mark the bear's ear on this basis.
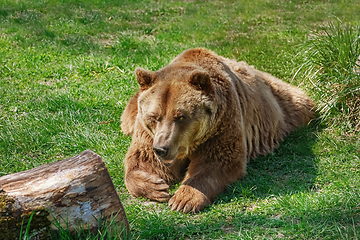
(201, 81)
(144, 77)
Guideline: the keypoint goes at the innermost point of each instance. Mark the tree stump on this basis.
(76, 191)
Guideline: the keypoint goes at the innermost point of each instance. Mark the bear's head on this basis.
(176, 107)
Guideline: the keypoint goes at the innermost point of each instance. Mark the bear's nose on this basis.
(162, 152)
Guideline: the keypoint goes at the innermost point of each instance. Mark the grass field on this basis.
(66, 74)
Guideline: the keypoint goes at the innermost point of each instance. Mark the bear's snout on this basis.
(161, 151)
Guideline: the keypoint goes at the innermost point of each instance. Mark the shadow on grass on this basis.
(290, 168)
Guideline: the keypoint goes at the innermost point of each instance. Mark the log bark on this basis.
(357, 65)
(76, 191)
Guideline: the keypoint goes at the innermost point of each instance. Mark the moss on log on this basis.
(13, 219)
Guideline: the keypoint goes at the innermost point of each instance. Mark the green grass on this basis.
(66, 74)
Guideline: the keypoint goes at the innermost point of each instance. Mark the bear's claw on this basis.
(188, 199)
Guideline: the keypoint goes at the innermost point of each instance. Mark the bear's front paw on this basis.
(144, 184)
(188, 199)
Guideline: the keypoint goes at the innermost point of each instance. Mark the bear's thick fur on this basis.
(200, 120)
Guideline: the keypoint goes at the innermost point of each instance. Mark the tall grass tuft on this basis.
(331, 64)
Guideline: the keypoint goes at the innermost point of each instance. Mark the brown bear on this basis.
(200, 119)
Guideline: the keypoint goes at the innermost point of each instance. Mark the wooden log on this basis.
(357, 65)
(76, 191)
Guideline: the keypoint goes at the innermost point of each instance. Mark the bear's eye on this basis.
(154, 118)
(180, 119)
